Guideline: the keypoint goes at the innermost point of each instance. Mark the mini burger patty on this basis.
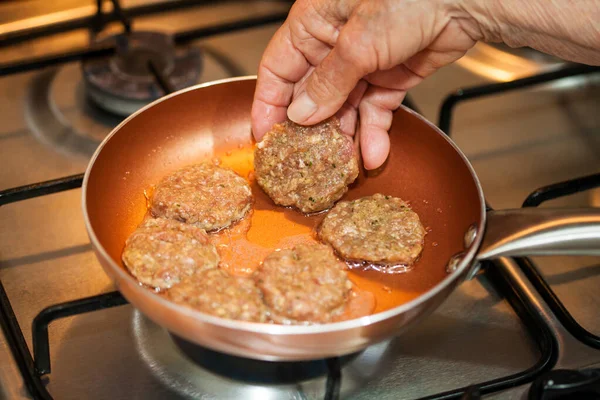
(307, 167)
(162, 252)
(379, 229)
(304, 284)
(217, 293)
(205, 195)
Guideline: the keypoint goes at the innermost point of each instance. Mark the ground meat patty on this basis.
(304, 284)
(218, 293)
(161, 252)
(379, 229)
(205, 195)
(307, 167)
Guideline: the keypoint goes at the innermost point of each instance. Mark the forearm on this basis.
(569, 29)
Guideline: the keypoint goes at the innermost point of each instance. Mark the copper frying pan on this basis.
(424, 167)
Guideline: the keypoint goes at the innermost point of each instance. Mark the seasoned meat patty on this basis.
(161, 252)
(218, 293)
(307, 167)
(304, 284)
(379, 229)
(205, 195)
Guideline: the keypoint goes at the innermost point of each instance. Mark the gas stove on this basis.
(521, 328)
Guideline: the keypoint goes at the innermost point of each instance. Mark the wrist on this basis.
(567, 29)
(472, 18)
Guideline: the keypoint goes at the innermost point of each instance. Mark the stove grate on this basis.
(40, 189)
(33, 368)
(540, 332)
(535, 199)
(108, 50)
(480, 91)
(99, 19)
(96, 22)
(39, 327)
(540, 195)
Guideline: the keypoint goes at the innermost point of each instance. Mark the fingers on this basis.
(304, 40)
(332, 81)
(399, 77)
(376, 114)
(271, 97)
(364, 46)
(346, 41)
(282, 65)
(313, 35)
(348, 114)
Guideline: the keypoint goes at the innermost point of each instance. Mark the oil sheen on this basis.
(268, 227)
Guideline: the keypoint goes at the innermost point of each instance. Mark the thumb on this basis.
(330, 83)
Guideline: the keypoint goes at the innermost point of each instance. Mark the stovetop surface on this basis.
(517, 142)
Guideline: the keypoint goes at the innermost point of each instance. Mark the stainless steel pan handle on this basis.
(541, 231)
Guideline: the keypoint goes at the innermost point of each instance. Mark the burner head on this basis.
(179, 365)
(257, 371)
(124, 83)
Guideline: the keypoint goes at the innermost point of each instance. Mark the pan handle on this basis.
(541, 231)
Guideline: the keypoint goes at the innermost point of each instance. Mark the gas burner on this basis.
(200, 373)
(256, 371)
(124, 83)
(60, 115)
(63, 115)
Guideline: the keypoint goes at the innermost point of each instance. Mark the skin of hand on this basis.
(357, 58)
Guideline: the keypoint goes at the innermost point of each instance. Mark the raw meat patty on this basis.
(218, 293)
(307, 167)
(205, 195)
(161, 252)
(379, 229)
(304, 284)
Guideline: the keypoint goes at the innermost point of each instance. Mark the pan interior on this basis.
(213, 123)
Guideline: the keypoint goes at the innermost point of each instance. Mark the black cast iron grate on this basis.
(34, 367)
(535, 199)
(541, 195)
(97, 22)
(573, 384)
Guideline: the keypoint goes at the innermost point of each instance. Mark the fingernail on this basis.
(302, 108)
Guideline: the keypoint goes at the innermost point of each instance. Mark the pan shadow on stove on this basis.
(14, 134)
(439, 336)
(574, 275)
(575, 283)
(439, 352)
(93, 337)
(45, 256)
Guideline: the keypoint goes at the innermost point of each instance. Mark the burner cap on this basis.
(256, 371)
(123, 83)
(197, 373)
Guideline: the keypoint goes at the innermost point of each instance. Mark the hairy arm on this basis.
(568, 29)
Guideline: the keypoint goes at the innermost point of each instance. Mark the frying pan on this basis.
(424, 167)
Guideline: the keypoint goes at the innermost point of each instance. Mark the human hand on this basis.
(359, 57)
(356, 57)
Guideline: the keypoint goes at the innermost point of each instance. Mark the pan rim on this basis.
(279, 329)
